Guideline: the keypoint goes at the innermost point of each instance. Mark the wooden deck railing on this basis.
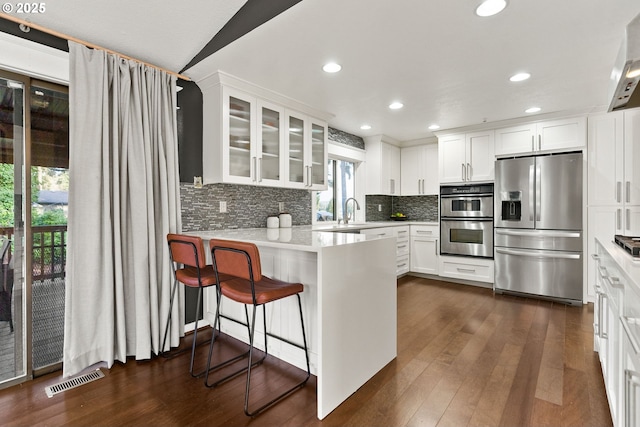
(49, 250)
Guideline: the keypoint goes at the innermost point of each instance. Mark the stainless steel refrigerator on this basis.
(538, 226)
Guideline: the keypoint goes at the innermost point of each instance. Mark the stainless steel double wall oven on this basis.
(466, 220)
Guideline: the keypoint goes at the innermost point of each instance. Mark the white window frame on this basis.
(338, 151)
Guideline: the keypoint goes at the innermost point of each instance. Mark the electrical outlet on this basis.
(223, 207)
(280, 206)
(379, 208)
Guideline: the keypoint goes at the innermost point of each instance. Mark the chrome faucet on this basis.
(345, 215)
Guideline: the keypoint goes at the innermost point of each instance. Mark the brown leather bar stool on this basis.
(194, 273)
(250, 287)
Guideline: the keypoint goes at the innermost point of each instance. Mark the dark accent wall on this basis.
(253, 14)
(189, 118)
(12, 28)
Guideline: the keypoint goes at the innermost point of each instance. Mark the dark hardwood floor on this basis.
(465, 357)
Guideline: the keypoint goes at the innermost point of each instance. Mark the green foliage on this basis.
(49, 217)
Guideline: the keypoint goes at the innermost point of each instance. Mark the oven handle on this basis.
(465, 196)
(539, 254)
(538, 233)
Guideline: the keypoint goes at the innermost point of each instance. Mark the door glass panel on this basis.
(13, 359)
(49, 196)
(239, 137)
(270, 163)
(296, 150)
(317, 154)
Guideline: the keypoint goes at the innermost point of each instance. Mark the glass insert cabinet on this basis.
(252, 140)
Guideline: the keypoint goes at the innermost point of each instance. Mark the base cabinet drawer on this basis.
(402, 265)
(475, 269)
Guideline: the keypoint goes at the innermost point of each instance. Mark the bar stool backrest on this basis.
(230, 257)
(187, 250)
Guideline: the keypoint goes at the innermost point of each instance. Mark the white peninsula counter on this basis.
(349, 303)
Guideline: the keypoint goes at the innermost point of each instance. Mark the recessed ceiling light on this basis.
(519, 77)
(365, 127)
(532, 110)
(332, 67)
(434, 127)
(396, 105)
(490, 7)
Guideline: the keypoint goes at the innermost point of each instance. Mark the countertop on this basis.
(310, 238)
(629, 266)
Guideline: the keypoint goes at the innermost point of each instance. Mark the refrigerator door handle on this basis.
(531, 192)
(538, 193)
(539, 253)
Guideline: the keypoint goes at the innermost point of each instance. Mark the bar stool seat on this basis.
(250, 287)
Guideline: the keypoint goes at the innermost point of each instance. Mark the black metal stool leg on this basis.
(292, 389)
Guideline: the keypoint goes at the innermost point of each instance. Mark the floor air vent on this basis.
(73, 382)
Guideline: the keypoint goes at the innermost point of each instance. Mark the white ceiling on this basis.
(444, 63)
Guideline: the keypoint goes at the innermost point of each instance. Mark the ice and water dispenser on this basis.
(511, 205)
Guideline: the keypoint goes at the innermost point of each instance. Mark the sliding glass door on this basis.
(13, 307)
(33, 139)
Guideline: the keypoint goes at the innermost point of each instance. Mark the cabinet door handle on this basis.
(392, 185)
(618, 219)
(310, 180)
(254, 166)
(435, 247)
(618, 191)
(539, 142)
(423, 186)
(468, 171)
(466, 270)
(259, 169)
(628, 219)
(533, 146)
(595, 256)
(464, 173)
(628, 192)
(425, 231)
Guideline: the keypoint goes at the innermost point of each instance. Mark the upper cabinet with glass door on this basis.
(251, 140)
(306, 147)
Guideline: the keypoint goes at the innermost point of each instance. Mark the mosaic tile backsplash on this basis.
(247, 206)
(416, 208)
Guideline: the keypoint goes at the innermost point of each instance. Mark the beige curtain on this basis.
(123, 200)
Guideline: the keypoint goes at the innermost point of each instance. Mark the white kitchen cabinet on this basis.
(401, 233)
(249, 138)
(382, 167)
(424, 249)
(466, 158)
(613, 179)
(419, 170)
(306, 152)
(467, 268)
(556, 135)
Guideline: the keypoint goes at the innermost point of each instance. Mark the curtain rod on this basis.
(88, 44)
